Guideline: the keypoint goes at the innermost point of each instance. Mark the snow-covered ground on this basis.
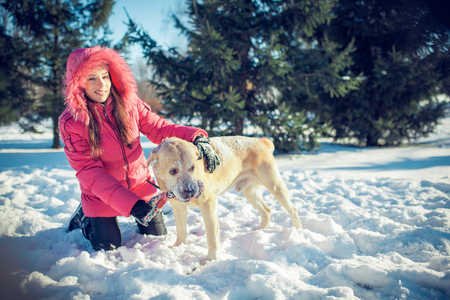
(376, 226)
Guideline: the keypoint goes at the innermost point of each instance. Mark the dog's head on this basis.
(174, 163)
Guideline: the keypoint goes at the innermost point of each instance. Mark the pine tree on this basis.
(317, 68)
(402, 54)
(11, 87)
(248, 63)
(45, 33)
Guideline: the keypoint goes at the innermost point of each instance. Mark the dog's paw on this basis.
(177, 243)
(211, 256)
(264, 225)
(295, 218)
(206, 260)
(296, 222)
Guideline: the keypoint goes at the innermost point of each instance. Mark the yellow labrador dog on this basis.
(246, 164)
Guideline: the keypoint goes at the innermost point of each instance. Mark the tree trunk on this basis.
(238, 126)
(56, 142)
(372, 140)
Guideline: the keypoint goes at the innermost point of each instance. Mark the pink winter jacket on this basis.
(108, 184)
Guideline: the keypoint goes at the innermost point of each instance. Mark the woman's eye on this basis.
(173, 172)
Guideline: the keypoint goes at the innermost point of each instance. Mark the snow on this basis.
(376, 226)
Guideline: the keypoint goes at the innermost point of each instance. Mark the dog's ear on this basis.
(153, 157)
(196, 151)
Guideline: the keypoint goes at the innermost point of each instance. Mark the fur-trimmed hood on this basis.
(79, 65)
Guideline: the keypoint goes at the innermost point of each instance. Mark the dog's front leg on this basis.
(180, 214)
(209, 213)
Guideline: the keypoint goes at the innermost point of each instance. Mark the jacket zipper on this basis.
(122, 146)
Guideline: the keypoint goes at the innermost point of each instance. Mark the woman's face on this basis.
(98, 86)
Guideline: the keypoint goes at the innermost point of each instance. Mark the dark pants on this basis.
(104, 233)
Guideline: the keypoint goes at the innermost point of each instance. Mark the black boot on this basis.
(155, 227)
(77, 219)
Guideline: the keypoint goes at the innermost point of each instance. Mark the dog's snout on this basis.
(189, 193)
(187, 188)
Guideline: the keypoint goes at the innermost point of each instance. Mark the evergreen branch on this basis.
(208, 27)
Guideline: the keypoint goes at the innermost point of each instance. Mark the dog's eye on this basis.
(173, 172)
(192, 169)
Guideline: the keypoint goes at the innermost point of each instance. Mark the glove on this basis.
(205, 150)
(143, 212)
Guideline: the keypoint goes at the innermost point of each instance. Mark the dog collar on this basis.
(201, 189)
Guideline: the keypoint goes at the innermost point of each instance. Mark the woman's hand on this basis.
(205, 149)
(143, 212)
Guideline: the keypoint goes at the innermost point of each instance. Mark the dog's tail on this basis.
(268, 143)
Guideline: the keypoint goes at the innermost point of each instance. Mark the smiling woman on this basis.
(98, 85)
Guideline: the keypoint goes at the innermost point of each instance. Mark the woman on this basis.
(100, 128)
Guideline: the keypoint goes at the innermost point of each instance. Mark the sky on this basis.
(154, 16)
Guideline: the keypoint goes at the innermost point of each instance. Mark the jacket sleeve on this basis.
(91, 174)
(157, 129)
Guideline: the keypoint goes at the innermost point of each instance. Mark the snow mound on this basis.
(376, 226)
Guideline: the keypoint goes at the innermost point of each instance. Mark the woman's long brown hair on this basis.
(120, 117)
